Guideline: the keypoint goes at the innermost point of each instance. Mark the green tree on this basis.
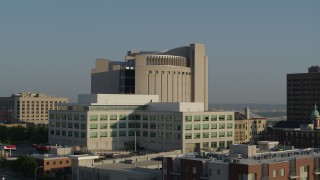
(26, 165)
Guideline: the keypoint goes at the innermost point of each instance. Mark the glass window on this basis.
(177, 118)
(103, 117)
(83, 117)
(64, 124)
(93, 117)
(168, 135)
(176, 135)
(57, 124)
(122, 133)
(229, 133)
(122, 117)
(93, 134)
(70, 117)
(188, 136)
(58, 132)
(188, 118)
(64, 116)
(83, 134)
(213, 144)
(113, 134)
(205, 135)
(113, 126)
(214, 126)
(222, 117)
(152, 134)
(83, 126)
(229, 117)
(70, 133)
(76, 134)
(213, 134)
(51, 116)
(103, 134)
(169, 126)
(145, 117)
(76, 116)
(93, 126)
(178, 127)
(197, 118)
(169, 117)
(229, 125)
(275, 173)
(188, 127)
(103, 125)
(153, 117)
(58, 116)
(213, 117)
(197, 127)
(153, 126)
(145, 133)
(113, 117)
(122, 125)
(197, 135)
(221, 126)
(63, 132)
(52, 132)
(145, 125)
(222, 134)
(162, 117)
(205, 118)
(282, 172)
(134, 133)
(70, 125)
(205, 126)
(221, 144)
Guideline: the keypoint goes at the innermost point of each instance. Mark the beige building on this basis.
(31, 107)
(112, 121)
(176, 75)
(248, 127)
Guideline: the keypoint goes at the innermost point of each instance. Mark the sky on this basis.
(51, 46)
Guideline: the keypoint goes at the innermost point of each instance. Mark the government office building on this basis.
(176, 75)
(113, 121)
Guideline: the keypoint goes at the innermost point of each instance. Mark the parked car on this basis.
(128, 161)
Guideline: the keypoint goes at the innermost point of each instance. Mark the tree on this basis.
(26, 165)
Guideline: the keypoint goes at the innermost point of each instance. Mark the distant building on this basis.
(112, 121)
(29, 107)
(176, 75)
(303, 91)
(246, 162)
(53, 164)
(248, 127)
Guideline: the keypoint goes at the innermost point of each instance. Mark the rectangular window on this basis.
(221, 126)
(214, 126)
(70, 125)
(213, 134)
(58, 116)
(221, 144)
(213, 144)
(205, 126)
(188, 127)
(176, 135)
(169, 117)
(145, 117)
(122, 133)
(113, 117)
(205, 135)
(122, 125)
(153, 126)
(70, 117)
(177, 118)
(93, 126)
(103, 117)
(83, 126)
(103, 125)
(76, 117)
(63, 132)
(93, 117)
(104, 134)
(52, 132)
(222, 134)
(229, 133)
(188, 136)
(197, 127)
(57, 124)
(145, 133)
(64, 124)
(70, 133)
(169, 135)
(83, 117)
(229, 117)
(205, 118)
(197, 118)
(229, 125)
(205, 144)
(51, 116)
(76, 134)
(197, 135)
(93, 134)
(188, 118)
(122, 117)
(275, 173)
(145, 125)
(222, 117)
(152, 134)
(58, 132)
(169, 126)
(178, 127)
(153, 117)
(134, 133)
(64, 116)
(76, 125)
(113, 134)
(282, 172)
(162, 117)
(213, 117)
(113, 126)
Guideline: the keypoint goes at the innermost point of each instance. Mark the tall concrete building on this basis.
(30, 107)
(176, 75)
(303, 92)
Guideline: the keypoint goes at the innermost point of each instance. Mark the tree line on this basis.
(21, 135)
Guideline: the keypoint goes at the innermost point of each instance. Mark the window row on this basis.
(190, 118)
(208, 126)
(208, 135)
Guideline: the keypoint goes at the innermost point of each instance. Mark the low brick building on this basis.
(52, 164)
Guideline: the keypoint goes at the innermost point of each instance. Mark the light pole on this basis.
(35, 172)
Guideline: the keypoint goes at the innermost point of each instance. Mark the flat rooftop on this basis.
(124, 166)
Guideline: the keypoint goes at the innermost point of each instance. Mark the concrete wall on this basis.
(177, 107)
(117, 99)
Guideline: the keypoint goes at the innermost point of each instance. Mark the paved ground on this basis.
(8, 174)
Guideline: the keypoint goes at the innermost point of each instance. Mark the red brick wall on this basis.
(278, 166)
(186, 169)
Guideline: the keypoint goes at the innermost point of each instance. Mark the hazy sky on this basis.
(51, 46)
